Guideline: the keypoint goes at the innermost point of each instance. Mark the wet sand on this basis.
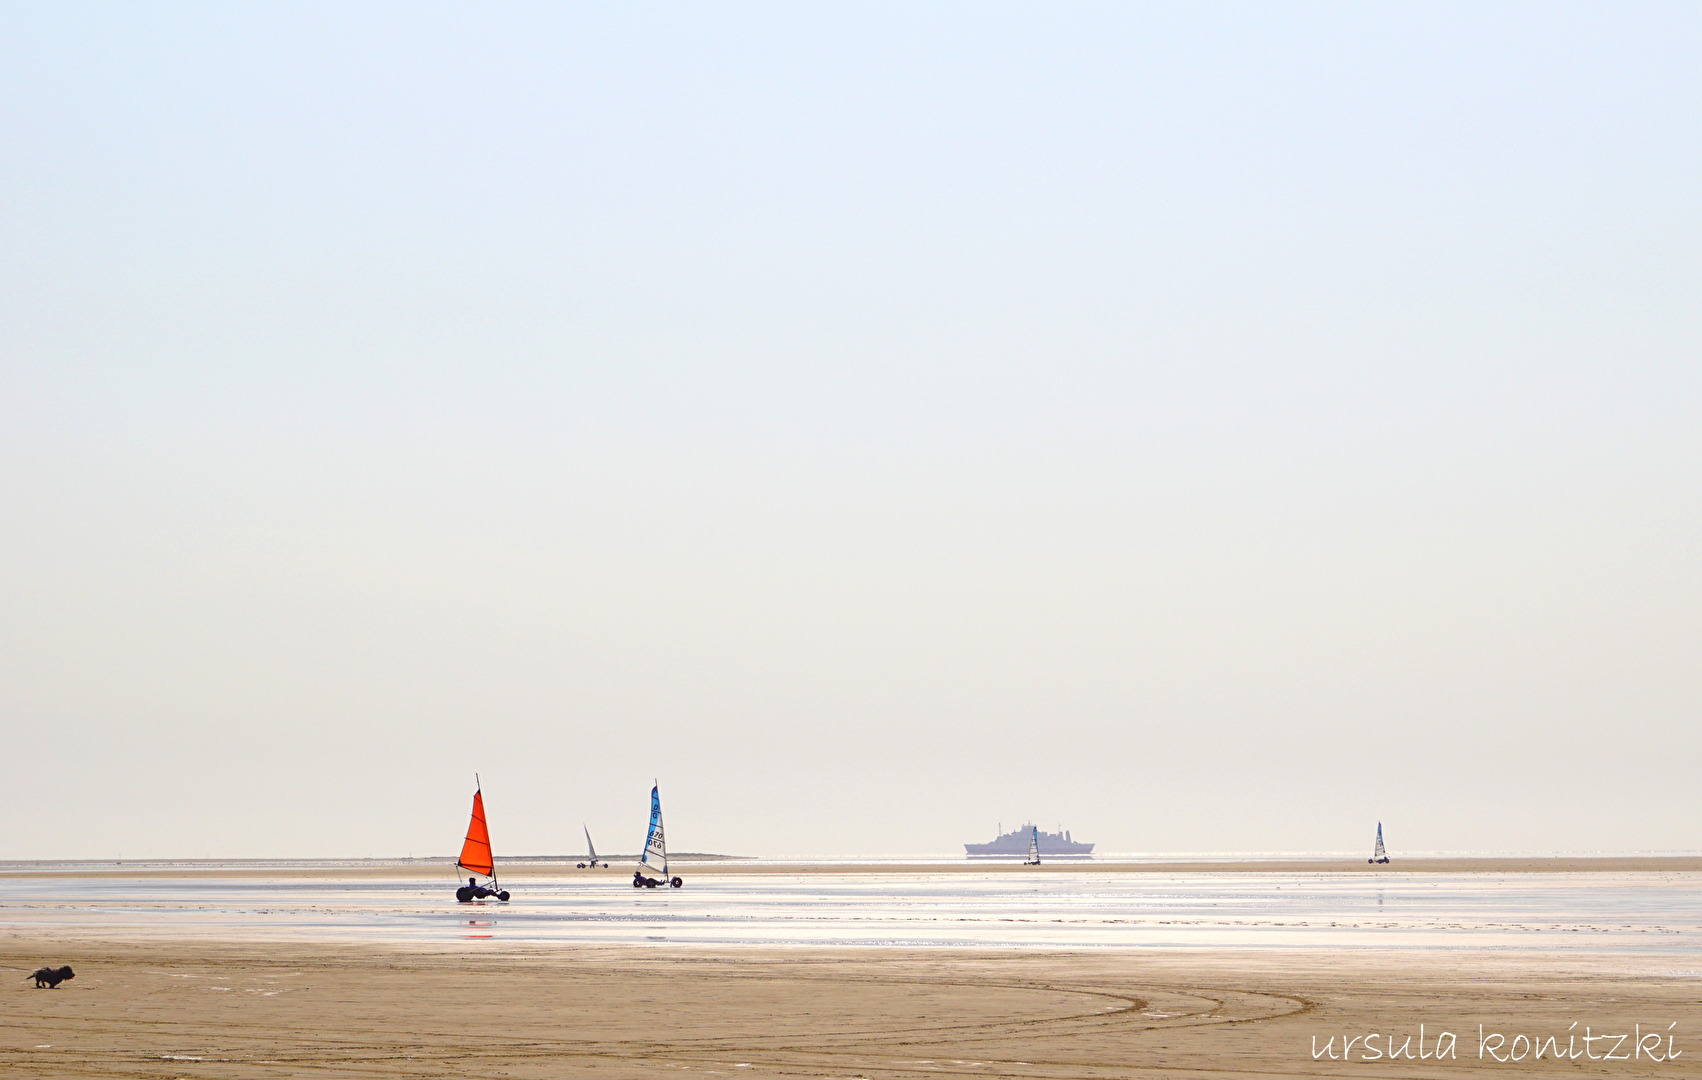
(244, 1010)
(517, 869)
(1453, 865)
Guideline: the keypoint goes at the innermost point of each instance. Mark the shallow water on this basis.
(1537, 912)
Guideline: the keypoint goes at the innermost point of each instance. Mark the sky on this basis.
(1204, 427)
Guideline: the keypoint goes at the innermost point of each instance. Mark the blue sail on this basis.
(655, 857)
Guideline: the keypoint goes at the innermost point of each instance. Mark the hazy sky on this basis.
(1203, 426)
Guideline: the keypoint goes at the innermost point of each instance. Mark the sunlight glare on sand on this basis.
(1566, 912)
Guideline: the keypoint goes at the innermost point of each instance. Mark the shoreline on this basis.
(381, 869)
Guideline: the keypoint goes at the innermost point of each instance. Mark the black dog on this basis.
(51, 977)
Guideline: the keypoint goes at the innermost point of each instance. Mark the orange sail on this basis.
(476, 852)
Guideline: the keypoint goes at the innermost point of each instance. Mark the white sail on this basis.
(1378, 852)
(1034, 847)
(655, 857)
(589, 846)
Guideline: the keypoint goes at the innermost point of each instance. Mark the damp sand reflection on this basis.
(1567, 912)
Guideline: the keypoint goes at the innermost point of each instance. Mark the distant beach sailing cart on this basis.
(476, 855)
(655, 856)
(1378, 854)
(591, 863)
(1033, 847)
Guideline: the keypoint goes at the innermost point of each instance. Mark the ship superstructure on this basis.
(1019, 840)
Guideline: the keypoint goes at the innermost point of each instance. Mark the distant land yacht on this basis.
(654, 858)
(1019, 841)
(1379, 853)
(476, 854)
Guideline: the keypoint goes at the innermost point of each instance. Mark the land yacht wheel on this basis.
(464, 894)
(675, 883)
(503, 896)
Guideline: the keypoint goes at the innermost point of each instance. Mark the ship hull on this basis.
(1022, 849)
(1017, 843)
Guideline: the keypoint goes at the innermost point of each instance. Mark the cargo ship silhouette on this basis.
(1016, 842)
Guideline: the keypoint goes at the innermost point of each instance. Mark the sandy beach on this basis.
(239, 1010)
(175, 997)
